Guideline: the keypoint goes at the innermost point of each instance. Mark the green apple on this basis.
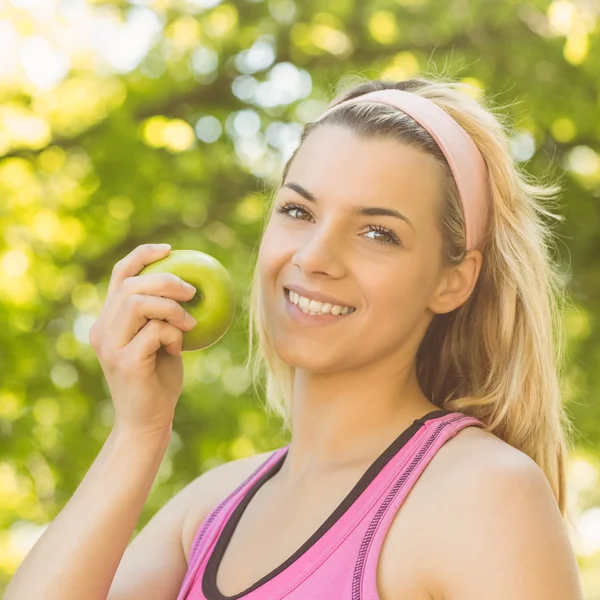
(214, 303)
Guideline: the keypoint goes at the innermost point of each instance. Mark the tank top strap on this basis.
(424, 438)
(214, 522)
(437, 433)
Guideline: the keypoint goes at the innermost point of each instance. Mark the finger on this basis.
(133, 263)
(151, 337)
(167, 285)
(139, 309)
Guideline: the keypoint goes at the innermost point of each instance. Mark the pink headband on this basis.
(464, 158)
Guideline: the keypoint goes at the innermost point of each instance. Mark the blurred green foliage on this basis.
(175, 144)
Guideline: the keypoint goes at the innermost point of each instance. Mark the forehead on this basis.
(334, 163)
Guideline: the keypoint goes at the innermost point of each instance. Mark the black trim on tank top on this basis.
(209, 578)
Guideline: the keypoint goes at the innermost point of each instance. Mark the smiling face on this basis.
(387, 266)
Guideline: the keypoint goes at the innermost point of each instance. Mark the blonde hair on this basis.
(499, 356)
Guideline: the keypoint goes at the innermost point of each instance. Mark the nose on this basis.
(321, 251)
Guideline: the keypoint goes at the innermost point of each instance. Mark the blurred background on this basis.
(123, 123)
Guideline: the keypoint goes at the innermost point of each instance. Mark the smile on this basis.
(299, 308)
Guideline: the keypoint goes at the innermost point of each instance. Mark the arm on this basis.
(505, 537)
(78, 554)
(154, 564)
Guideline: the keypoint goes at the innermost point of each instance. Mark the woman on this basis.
(427, 456)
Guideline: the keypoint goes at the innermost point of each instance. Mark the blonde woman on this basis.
(406, 310)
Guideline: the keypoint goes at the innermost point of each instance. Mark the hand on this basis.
(138, 338)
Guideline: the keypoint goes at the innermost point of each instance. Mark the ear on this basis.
(457, 283)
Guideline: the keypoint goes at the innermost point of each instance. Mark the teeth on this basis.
(313, 307)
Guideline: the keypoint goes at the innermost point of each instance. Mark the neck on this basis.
(348, 418)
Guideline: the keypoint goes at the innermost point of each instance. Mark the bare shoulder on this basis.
(213, 486)
(480, 462)
(497, 504)
(472, 447)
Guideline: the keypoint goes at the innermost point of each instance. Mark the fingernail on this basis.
(162, 247)
(190, 319)
(190, 287)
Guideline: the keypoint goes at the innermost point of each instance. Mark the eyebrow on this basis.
(360, 210)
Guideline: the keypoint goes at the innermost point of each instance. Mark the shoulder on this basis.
(228, 475)
(489, 475)
(498, 530)
(212, 487)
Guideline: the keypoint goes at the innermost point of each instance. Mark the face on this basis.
(387, 267)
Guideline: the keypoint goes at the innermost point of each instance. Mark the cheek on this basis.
(399, 291)
(272, 255)
(277, 242)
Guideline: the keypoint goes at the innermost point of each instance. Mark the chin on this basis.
(307, 359)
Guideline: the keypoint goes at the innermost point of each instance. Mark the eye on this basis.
(392, 237)
(288, 207)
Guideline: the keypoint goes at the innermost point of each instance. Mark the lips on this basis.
(334, 312)
(316, 295)
(308, 320)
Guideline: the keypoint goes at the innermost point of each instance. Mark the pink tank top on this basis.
(339, 560)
